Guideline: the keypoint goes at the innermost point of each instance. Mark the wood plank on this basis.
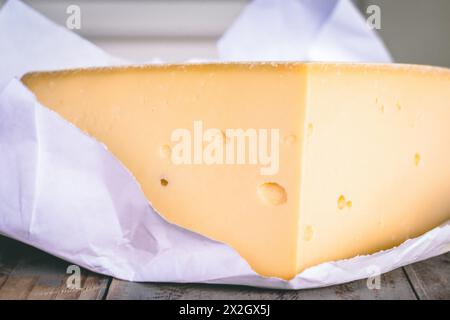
(394, 285)
(28, 273)
(431, 278)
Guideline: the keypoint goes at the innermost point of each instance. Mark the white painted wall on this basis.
(416, 31)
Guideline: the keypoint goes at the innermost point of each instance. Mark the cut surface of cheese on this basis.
(336, 160)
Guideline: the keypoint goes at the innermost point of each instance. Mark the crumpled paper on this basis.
(306, 30)
(66, 194)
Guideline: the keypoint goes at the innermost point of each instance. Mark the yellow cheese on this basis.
(349, 160)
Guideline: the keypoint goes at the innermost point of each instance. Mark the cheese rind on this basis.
(363, 151)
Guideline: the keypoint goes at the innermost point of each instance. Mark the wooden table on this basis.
(28, 273)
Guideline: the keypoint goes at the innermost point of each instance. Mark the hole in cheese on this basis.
(165, 151)
(343, 203)
(290, 139)
(310, 129)
(417, 159)
(308, 233)
(272, 193)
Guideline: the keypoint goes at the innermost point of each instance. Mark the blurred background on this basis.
(415, 31)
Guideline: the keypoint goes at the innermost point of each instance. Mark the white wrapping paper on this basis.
(302, 30)
(63, 192)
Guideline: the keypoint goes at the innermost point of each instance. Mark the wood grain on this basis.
(431, 278)
(394, 285)
(28, 273)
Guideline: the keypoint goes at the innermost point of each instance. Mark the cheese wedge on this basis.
(290, 164)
